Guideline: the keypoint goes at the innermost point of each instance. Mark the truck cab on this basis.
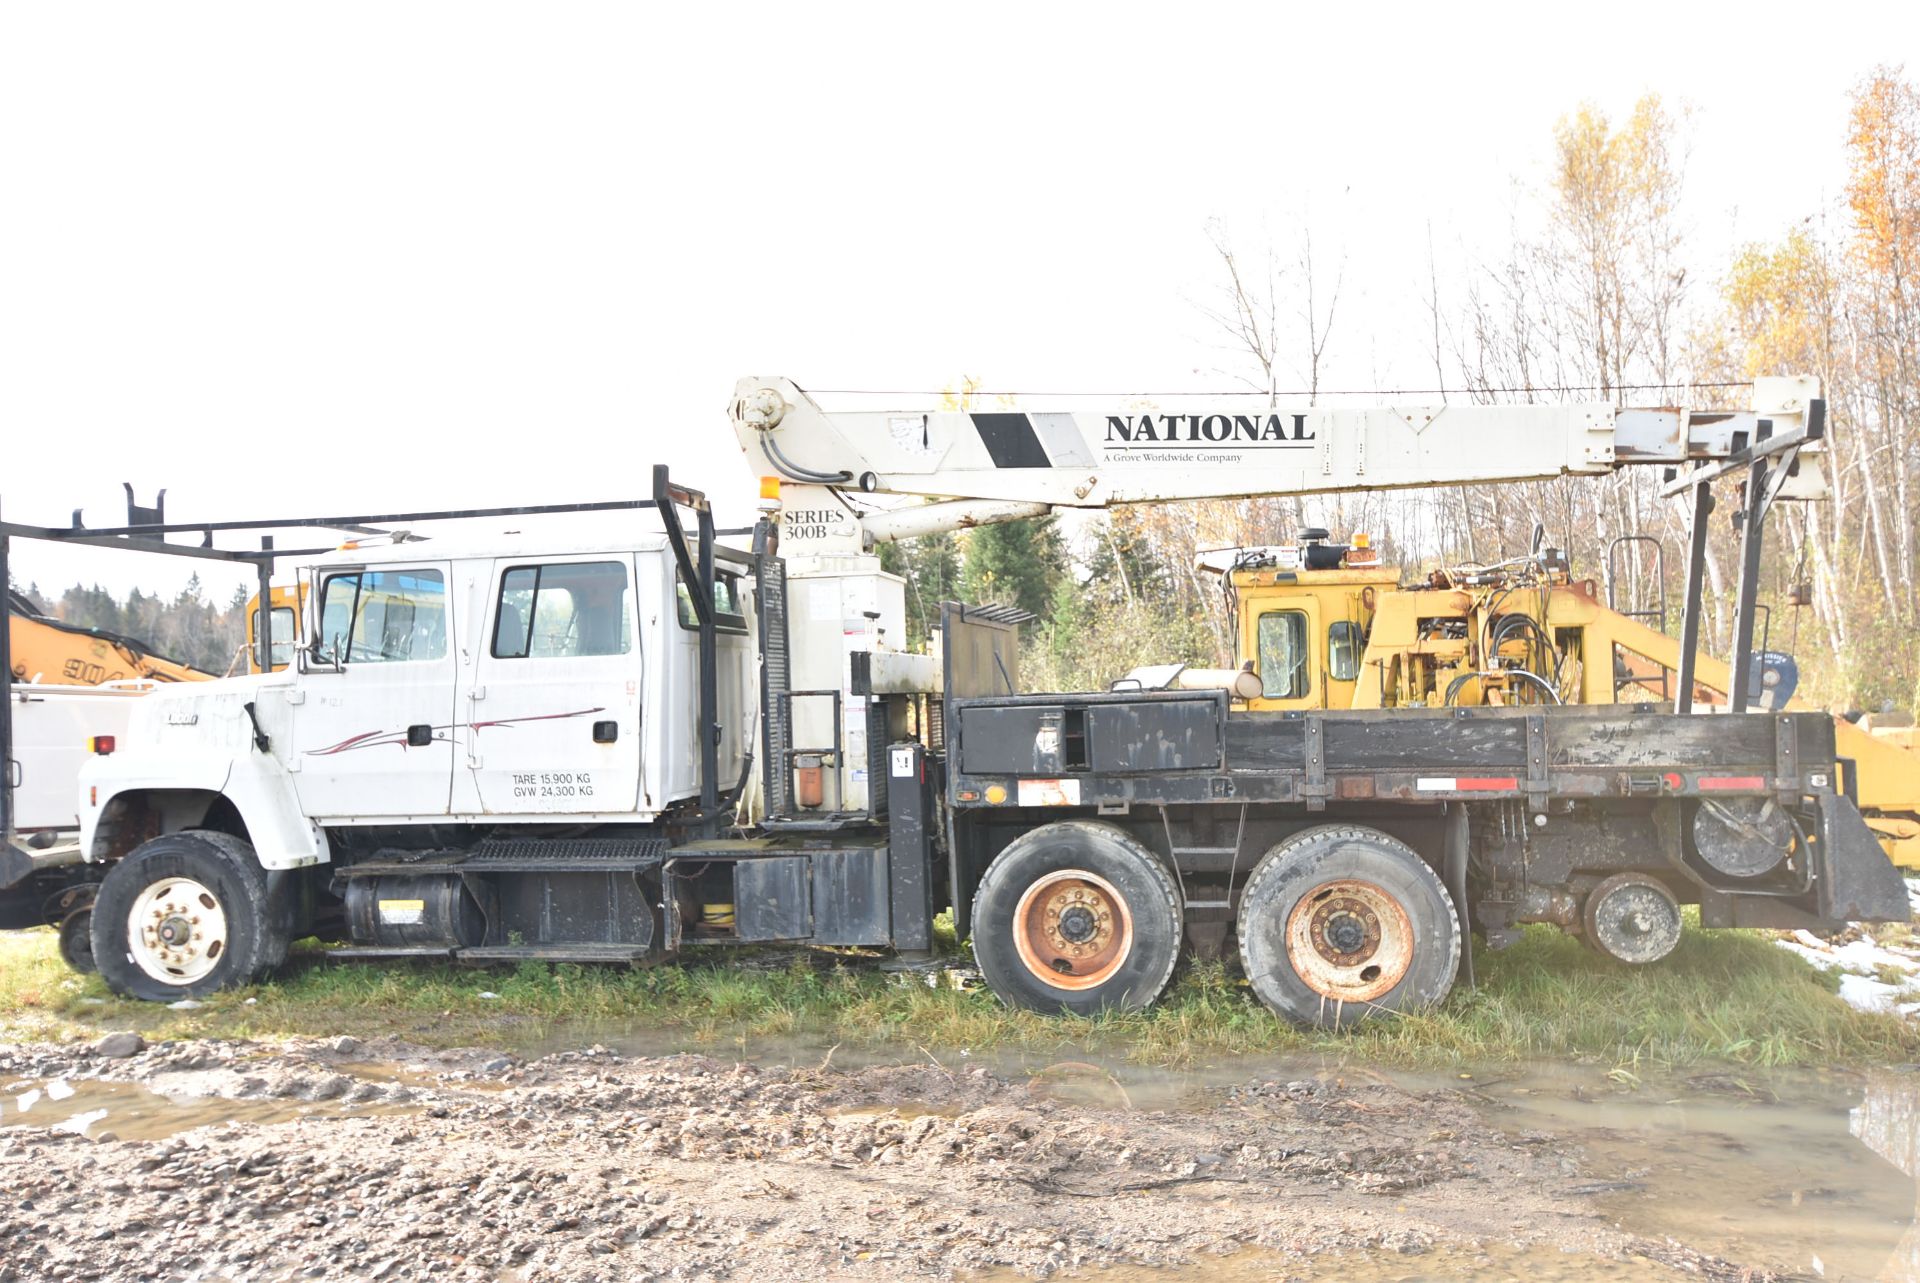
(505, 689)
(506, 681)
(1302, 613)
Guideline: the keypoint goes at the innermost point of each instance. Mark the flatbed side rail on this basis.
(1165, 753)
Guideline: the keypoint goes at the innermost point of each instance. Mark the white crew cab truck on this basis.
(524, 749)
(511, 706)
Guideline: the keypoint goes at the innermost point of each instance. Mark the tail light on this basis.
(101, 744)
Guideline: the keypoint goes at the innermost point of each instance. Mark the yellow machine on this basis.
(56, 653)
(51, 651)
(286, 607)
(1325, 625)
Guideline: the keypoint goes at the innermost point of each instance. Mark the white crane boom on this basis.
(1007, 463)
(989, 465)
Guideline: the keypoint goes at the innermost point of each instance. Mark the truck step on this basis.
(491, 953)
(816, 822)
(554, 953)
(522, 855)
(584, 855)
(1204, 850)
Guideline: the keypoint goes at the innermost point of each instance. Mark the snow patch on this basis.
(1861, 963)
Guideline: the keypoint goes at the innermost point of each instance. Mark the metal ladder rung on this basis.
(1209, 904)
(1204, 850)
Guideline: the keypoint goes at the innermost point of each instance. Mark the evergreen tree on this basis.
(188, 628)
(931, 567)
(1015, 563)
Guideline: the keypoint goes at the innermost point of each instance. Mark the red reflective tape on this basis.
(1733, 782)
(1484, 783)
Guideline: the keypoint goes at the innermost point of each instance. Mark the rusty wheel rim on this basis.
(1350, 941)
(1072, 930)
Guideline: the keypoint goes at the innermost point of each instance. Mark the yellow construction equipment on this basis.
(287, 604)
(1325, 625)
(57, 653)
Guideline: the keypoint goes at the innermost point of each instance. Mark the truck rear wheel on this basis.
(76, 941)
(1077, 917)
(1340, 923)
(186, 914)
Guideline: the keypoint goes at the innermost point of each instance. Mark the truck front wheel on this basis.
(183, 915)
(1342, 922)
(1077, 917)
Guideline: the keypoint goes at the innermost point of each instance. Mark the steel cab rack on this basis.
(694, 547)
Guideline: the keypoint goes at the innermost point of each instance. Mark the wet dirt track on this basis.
(337, 1160)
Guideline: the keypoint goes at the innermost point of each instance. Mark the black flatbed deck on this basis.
(1182, 747)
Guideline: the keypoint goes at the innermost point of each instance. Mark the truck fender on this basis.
(257, 787)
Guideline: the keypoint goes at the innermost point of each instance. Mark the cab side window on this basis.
(1282, 639)
(727, 615)
(1343, 650)
(554, 612)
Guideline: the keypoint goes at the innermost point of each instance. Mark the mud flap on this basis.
(1455, 874)
(21, 895)
(1857, 881)
(15, 865)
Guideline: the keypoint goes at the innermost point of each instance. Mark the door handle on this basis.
(419, 735)
(606, 732)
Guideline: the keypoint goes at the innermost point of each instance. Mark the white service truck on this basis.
(521, 745)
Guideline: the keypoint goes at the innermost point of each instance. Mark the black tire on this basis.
(76, 941)
(1126, 889)
(256, 934)
(1342, 923)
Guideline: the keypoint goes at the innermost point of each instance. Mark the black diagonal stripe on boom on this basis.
(1011, 440)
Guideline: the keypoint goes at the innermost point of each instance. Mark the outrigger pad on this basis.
(1858, 882)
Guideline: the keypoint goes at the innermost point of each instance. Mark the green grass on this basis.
(1722, 997)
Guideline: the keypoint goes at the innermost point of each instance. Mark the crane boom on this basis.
(981, 466)
(1022, 462)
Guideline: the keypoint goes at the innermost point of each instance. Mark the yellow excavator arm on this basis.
(1886, 774)
(52, 651)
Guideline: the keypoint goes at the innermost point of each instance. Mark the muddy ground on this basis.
(339, 1160)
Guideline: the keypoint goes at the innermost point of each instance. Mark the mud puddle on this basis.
(796, 1161)
(1495, 1264)
(417, 1074)
(1800, 1175)
(104, 1110)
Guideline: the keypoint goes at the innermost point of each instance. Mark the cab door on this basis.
(553, 716)
(373, 722)
(1286, 655)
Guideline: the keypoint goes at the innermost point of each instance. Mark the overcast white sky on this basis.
(290, 259)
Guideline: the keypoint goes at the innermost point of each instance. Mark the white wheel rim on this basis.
(177, 931)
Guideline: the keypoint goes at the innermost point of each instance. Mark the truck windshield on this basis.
(1282, 638)
(384, 616)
